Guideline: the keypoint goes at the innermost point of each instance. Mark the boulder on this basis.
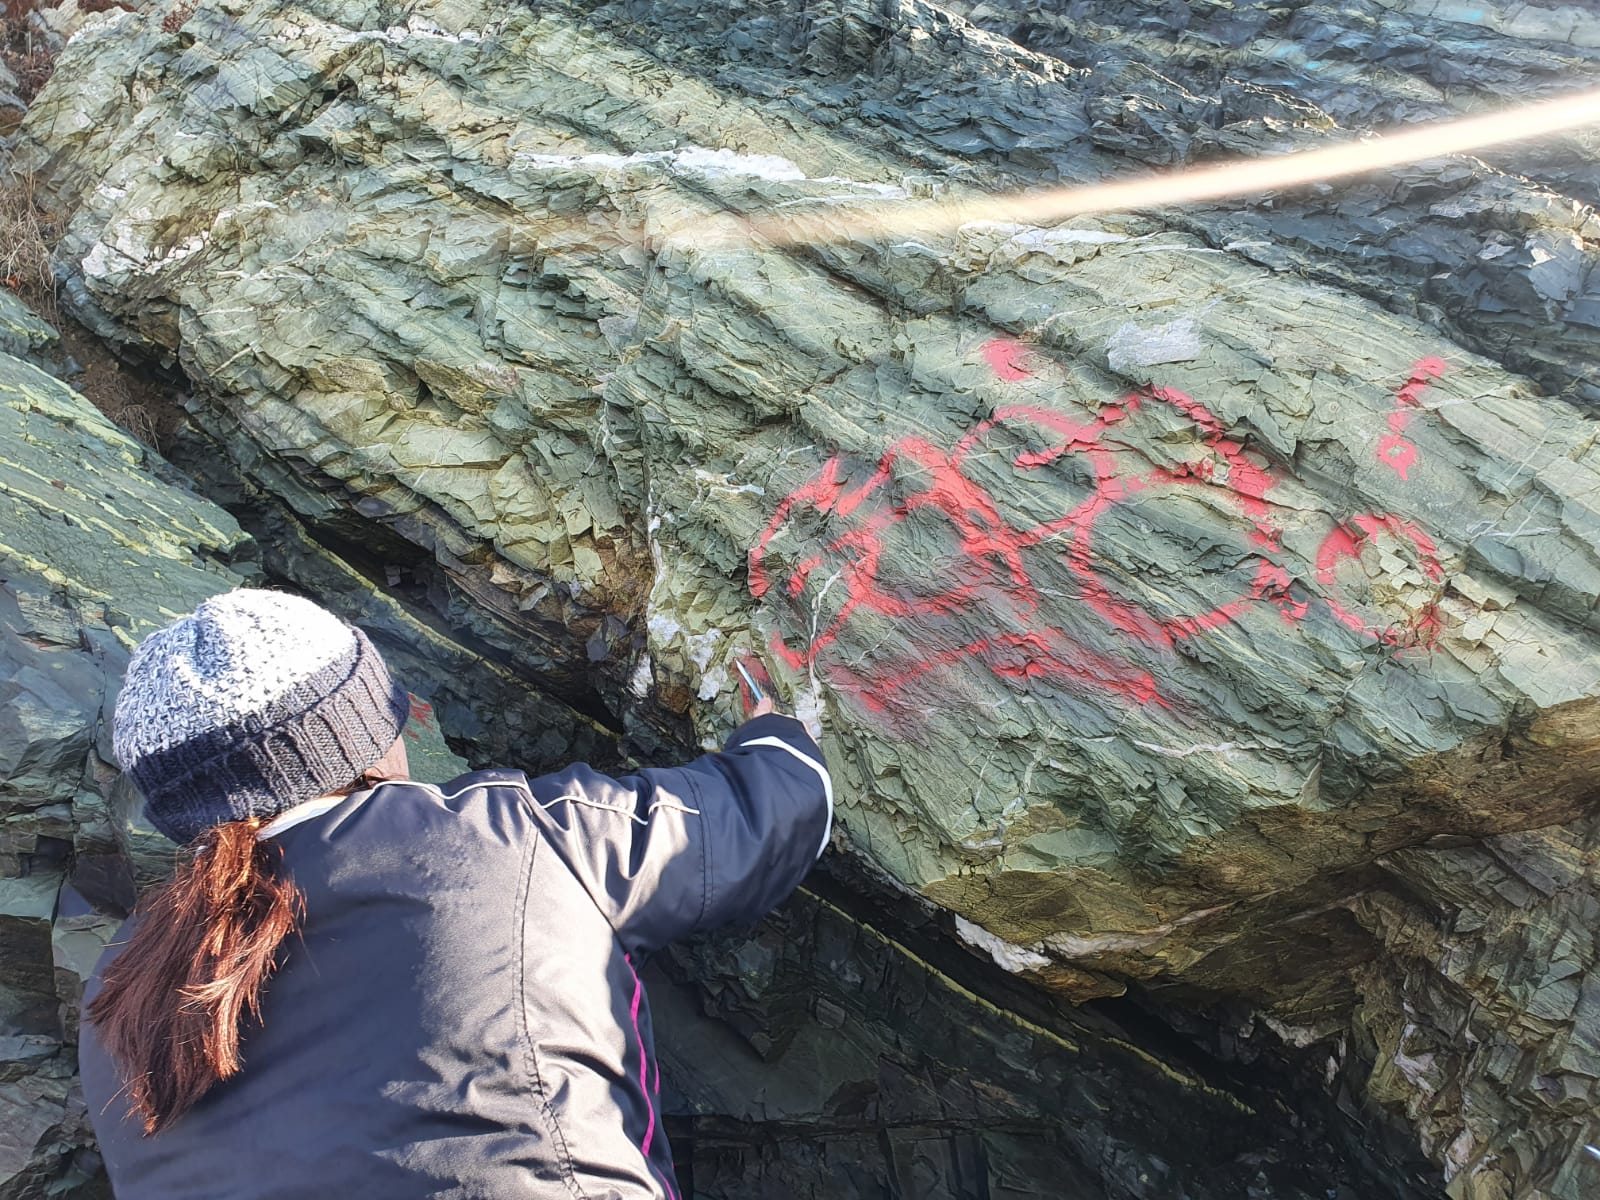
(801, 1031)
(1191, 602)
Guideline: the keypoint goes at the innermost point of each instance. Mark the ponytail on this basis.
(175, 1000)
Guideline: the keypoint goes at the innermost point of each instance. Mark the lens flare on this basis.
(1241, 177)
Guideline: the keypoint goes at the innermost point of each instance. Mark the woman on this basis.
(454, 1007)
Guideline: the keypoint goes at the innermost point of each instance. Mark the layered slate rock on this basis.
(1162, 582)
(827, 1056)
(23, 333)
(1490, 970)
(1497, 249)
(796, 1033)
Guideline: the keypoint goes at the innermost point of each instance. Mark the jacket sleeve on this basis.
(671, 851)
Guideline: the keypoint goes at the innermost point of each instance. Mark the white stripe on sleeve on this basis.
(827, 783)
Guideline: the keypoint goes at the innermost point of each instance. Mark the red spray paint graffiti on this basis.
(1347, 541)
(916, 479)
(421, 714)
(1394, 450)
(1007, 358)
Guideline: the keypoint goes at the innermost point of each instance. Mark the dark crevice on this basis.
(1277, 1081)
(397, 567)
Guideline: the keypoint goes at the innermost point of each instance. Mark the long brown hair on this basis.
(175, 1001)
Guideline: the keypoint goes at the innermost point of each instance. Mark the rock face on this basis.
(1180, 593)
(1489, 971)
(801, 1032)
(1493, 251)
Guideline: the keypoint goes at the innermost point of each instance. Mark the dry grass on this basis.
(27, 53)
(23, 50)
(143, 408)
(177, 18)
(131, 406)
(27, 234)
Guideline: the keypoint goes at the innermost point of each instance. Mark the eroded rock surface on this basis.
(1486, 1000)
(1166, 584)
(822, 1052)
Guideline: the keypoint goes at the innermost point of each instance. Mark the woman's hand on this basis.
(755, 687)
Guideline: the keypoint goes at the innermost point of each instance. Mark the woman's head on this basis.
(254, 703)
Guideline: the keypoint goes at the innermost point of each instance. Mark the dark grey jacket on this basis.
(462, 1016)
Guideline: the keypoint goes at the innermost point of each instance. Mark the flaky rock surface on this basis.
(1167, 585)
(791, 1066)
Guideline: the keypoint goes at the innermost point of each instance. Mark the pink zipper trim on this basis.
(644, 1068)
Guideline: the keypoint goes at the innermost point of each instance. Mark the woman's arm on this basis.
(670, 851)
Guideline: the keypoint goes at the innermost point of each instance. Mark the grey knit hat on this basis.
(254, 703)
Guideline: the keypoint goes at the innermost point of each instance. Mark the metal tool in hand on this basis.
(756, 694)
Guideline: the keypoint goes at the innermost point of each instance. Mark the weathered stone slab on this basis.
(22, 332)
(800, 1028)
(1228, 526)
(1490, 978)
(1498, 249)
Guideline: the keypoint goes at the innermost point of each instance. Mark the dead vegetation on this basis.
(24, 51)
(28, 232)
(29, 52)
(138, 407)
(177, 18)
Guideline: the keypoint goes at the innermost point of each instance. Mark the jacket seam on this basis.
(621, 810)
(530, 1055)
(705, 853)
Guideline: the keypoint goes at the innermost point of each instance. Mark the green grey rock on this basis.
(1484, 1008)
(22, 332)
(1158, 580)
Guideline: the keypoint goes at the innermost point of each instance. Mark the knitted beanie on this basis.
(252, 704)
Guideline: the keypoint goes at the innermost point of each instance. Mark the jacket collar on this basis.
(290, 817)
